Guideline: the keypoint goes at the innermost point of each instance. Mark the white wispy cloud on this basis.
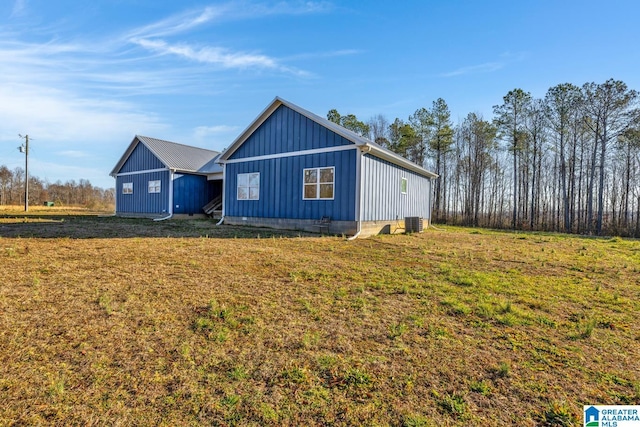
(486, 67)
(48, 170)
(209, 130)
(19, 8)
(218, 56)
(215, 55)
(504, 60)
(231, 11)
(218, 136)
(156, 37)
(58, 115)
(322, 55)
(74, 154)
(244, 10)
(178, 23)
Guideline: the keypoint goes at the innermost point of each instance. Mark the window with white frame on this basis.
(319, 183)
(403, 185)
(249, 186)
(127, 188)
(154, 186)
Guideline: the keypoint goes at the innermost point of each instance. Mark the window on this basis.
(318, 183)
(403, 186)
(154, 186)
(249, 186)
(127, 188)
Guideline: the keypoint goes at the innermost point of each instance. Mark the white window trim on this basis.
(247, 187)
(127, 186)
(404, 182)
(317, 184)
(154, 186)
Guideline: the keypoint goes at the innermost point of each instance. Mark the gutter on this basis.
(171, 172)
(363, 150)
(224, 183)
(398, 160)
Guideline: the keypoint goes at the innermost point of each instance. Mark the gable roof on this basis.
(179, 157)
(212, 166)
(364, 143)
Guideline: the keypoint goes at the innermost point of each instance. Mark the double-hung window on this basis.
(319, 183)
(127, 188)
(154, 186)
(249, 186)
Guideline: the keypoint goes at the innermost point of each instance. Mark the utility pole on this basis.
(24, 148)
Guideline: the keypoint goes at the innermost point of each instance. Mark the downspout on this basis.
(359, 192)
(170, 198)
(224, 187)
(116, 195)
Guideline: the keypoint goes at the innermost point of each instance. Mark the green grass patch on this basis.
(134, 322)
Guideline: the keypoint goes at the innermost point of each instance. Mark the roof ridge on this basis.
(175, 143)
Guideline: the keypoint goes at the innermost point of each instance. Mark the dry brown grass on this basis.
(108, 321)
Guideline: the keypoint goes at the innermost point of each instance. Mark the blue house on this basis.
(161, 179)
(290, 168)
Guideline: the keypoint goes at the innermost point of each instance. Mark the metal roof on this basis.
(212, 166)
(364, 143)
(179, 157)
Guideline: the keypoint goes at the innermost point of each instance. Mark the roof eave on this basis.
(363, 143)
(273, 106)
(250, 129)
(125, 156)
(397, 160)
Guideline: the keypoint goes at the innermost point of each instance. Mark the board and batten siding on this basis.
(141, 201)
(382, 199)
(190, 193)
(141, 159)
(287, 131)
(281, 181)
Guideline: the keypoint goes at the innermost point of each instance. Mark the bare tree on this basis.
(440, 144)
(510, 121)
(379, 130)
(608, 106)
(561, 101)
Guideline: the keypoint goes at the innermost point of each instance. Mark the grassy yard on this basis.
(107, 321)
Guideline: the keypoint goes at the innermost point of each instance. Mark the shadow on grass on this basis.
(104, 227)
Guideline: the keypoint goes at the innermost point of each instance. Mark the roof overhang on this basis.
(396, 159)
(364, 144)
(125, 156)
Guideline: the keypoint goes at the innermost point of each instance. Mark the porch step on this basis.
(214, 205)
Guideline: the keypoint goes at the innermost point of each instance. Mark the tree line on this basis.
(70, 193)
(567, 162)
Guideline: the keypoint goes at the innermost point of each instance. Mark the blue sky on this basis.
(83, 77)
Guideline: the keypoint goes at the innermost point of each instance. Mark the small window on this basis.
(127, 188)
(249, 186)
(154, 186)
(403, 186)
(318, 183)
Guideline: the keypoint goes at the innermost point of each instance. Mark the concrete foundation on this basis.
(372, 228)
(347, 228)
(162, 215)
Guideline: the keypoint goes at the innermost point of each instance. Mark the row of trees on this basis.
(567, 162)
(70, 193)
